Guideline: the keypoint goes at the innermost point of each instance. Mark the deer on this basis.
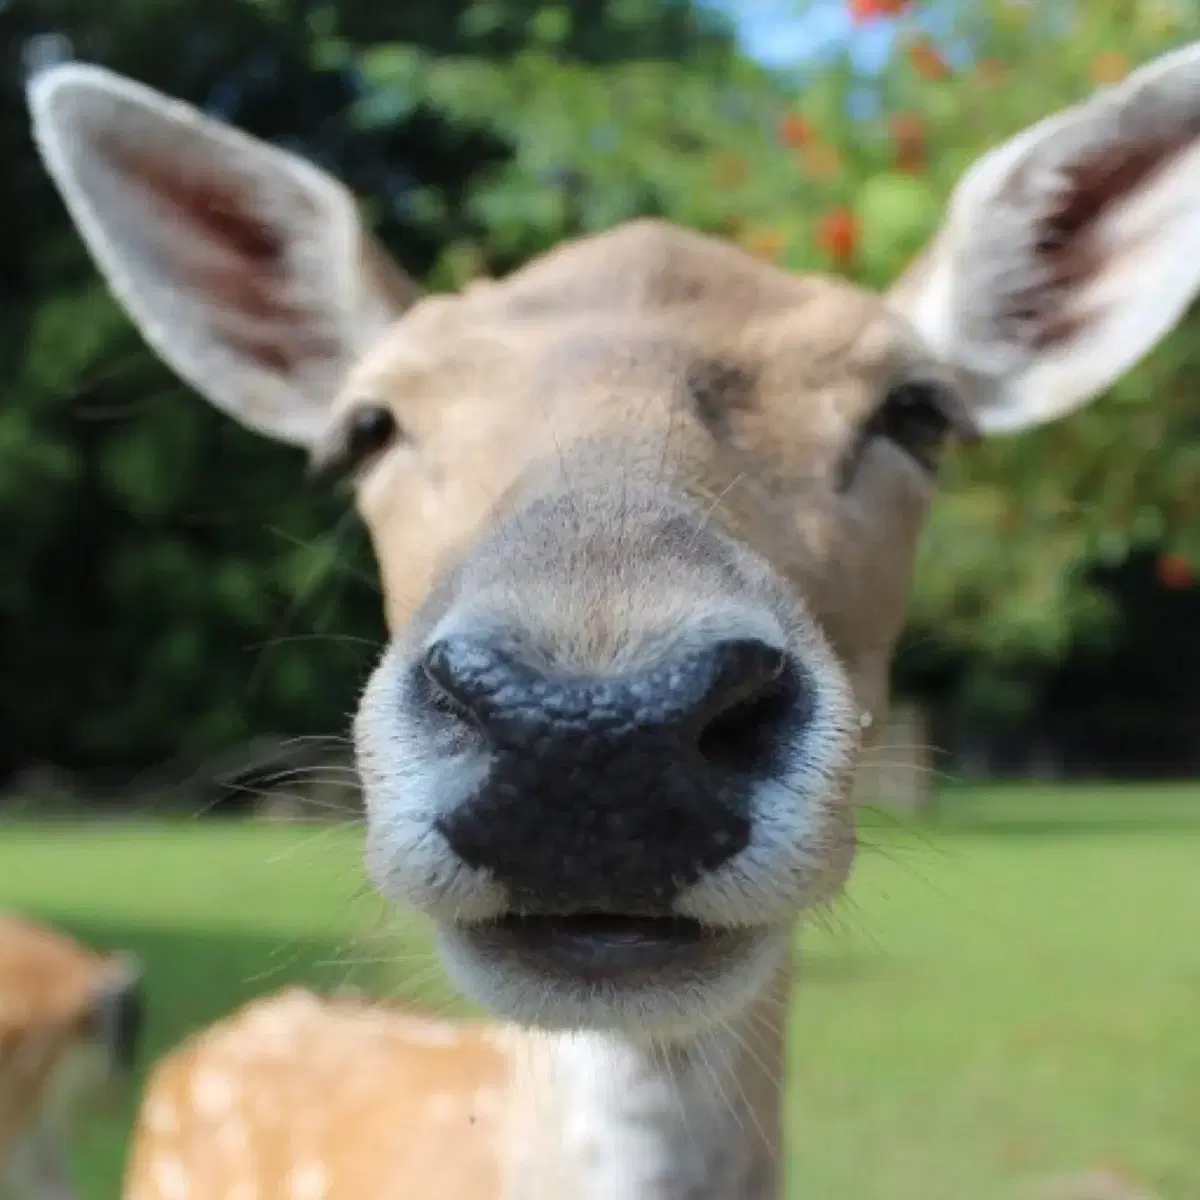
(645, 512)
(70, 1031)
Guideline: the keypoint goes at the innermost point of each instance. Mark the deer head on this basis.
(70, 1025)
(645, 511)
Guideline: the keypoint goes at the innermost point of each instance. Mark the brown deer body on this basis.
(645, 514)
(70, 1023)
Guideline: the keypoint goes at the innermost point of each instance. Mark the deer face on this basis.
(670, 523)
(645, 511)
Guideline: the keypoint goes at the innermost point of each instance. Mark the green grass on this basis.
(1011, 995)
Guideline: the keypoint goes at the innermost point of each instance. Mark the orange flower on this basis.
(1109, 67)
(908, 133)
(868, 10)
(765, 244)
(927, 60)
(865, 10)
(796, 131)
(823, 162)
(837, 235)
(730, 170)
(1174, 572)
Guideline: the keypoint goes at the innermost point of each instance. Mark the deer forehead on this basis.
(642, 306)
(673, 348)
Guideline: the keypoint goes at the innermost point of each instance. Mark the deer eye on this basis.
(918, 417)
(367, 431)
(362, 434)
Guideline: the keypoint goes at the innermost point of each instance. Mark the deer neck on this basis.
(612, 1117)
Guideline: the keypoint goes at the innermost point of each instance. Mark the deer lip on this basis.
(600, 945)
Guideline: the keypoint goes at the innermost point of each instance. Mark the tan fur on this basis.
(593, 342)
(640, 438)
(276, 1099)
(51, 1049)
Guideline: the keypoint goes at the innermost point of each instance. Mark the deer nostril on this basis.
(756, 695)
(448, 685)
(731, 700)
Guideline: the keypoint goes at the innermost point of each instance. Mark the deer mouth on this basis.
(601, 948)
(610, 971)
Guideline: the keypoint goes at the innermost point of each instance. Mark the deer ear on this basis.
(246, 268)
(1068, 253)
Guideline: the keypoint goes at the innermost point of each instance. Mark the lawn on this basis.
(1010, 995)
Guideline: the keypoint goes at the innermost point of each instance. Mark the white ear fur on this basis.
(1069, 252)
(246, 268)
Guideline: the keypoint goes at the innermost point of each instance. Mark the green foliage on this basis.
(1006, 571)
(171, 586)
(153, 586)
(1007, 562)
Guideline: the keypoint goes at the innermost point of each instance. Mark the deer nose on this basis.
(614, 792)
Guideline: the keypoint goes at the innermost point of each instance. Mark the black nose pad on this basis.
(610, 792)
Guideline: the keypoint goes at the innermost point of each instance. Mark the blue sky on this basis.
(781, 33)
(787, 32)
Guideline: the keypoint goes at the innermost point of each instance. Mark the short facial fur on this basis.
(602, 480)
(639, 486)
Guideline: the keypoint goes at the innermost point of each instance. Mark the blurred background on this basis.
(1008, 994)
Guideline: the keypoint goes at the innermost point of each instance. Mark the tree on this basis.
(827, 168)
(153, 549)
(171, 586)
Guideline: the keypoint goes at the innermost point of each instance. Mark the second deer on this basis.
(70, 1028)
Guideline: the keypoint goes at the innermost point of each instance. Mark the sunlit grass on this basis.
(1008, 995)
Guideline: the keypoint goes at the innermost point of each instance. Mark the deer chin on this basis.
(658, 976)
